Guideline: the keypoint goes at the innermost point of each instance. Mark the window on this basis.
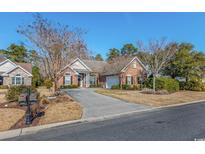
(134, 65)
(67, 79)
(17, 80)
(129, 80)
(93, 80)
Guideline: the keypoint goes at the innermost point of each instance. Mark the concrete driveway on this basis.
(97, 105)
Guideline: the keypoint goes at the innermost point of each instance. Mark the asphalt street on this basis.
(185, 122)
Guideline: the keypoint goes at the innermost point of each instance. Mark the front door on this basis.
(81, 79)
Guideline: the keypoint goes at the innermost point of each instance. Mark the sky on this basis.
(112, 30)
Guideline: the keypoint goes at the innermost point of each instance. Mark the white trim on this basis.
(78, 59)
(21, 80)
(131, 62)
(17, 66)
(70, 68)
(7, 60)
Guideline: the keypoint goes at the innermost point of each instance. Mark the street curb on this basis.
(10, 133)
(31, 130)
(34, 129)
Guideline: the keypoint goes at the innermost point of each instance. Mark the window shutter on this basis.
(64, 80)
(126, 80)
(71, 79)
(131, 79)
(23, 80)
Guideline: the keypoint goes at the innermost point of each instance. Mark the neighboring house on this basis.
(90, 72)
(13, 73)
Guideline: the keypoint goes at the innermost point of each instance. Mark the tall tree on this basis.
(56, 44)
(186, 63)
(17, 53)
(33, 57)
(129, 50)
(158, 54)
(98, 57)
(112, 54)
(36, 79)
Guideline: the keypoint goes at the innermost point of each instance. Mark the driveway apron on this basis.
(97, 105)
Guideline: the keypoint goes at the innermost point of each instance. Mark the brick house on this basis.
(13, 73)
(90, 72)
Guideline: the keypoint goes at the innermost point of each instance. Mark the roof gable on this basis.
(7, 65)
(135, 58)
(120, 65)
(95, 66)
(13, 69)
(78, 64)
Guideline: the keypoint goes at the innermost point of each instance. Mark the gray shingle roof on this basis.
(95, 66)
(26, 66)
(117, 66)
(105, 68)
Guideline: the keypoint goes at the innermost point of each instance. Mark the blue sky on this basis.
(109, 30)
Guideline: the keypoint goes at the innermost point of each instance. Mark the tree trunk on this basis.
(154, 83)
(55, 86)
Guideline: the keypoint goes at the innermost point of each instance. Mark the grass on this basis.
(60, 110)
(3, 95)
(9, 116)
(154, 100)
(44, 91)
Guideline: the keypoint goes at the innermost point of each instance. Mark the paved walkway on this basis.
(97, 105)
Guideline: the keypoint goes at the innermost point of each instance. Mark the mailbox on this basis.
(33, 98)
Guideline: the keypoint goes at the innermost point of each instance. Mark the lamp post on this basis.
(28, 119)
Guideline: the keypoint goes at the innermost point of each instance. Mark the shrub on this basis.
(69, 86)
(14, 92)
(126, 86)
(115, 86)
(4, 87)
(192, 85)
(163, 83)
(48, 83)
(95, 85)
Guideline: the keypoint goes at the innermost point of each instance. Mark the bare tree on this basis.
(157, 54)
(56, 45)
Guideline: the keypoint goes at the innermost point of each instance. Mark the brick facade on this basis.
(132, 68)
(133, 71)
(74, 77)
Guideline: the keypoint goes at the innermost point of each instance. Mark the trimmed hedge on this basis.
(14, 92)
(69, 86)
(163, 83)
(115, 86)
(192, 85)
(95, 85)
(126, 87)
(130, 87)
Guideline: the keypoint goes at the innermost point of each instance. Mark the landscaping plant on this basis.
(163, 83)
(14, 92)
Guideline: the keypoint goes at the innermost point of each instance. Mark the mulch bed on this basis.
(37, 107)
(21, 122)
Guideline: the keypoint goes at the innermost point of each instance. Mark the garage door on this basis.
(112, 80)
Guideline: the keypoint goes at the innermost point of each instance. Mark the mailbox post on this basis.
(28, 119)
